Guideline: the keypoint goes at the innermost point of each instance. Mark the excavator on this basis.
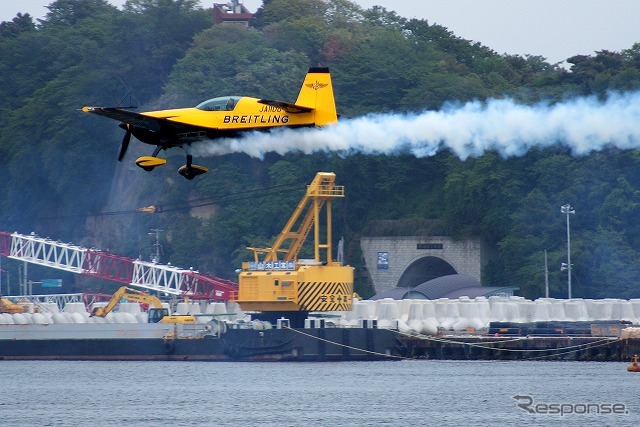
(8, 306)
(157, 313)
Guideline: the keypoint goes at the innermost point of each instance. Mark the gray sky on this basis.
(555, 29)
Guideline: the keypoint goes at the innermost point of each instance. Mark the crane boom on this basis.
(320, 192)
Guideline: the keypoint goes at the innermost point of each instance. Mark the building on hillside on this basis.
(232, 12)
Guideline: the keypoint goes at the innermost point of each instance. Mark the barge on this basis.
(214, 341)
(318, 341)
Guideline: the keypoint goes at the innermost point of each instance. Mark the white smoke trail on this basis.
(582, 124)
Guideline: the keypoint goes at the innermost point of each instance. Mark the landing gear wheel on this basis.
(186, 173)
(192, 171)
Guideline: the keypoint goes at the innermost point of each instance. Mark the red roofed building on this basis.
(233, 12)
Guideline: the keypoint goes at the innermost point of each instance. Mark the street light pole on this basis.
(567, 209)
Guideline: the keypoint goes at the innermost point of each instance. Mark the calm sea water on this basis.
(404, 393)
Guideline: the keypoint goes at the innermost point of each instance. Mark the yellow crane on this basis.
(157, 313)
(277, 281)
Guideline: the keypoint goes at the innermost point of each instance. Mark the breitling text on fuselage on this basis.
(256, 118)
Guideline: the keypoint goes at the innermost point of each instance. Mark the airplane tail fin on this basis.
(317, 93)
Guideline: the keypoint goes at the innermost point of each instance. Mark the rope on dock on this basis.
(594, 344)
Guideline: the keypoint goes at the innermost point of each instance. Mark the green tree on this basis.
(228, 60)
(19, 24)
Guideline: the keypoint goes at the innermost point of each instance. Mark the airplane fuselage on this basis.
(200, 124)
(247, 113)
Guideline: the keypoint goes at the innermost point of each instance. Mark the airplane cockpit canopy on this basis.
(222, 103)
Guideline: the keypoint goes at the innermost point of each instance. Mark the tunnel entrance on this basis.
(424, 269)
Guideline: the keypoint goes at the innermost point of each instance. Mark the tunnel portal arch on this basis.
(424, 269)
(392, 261)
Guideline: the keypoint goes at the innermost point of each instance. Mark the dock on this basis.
(461, 347)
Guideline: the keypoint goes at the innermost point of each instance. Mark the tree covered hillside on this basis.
(60, 177)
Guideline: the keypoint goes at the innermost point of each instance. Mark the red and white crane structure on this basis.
(134, 272)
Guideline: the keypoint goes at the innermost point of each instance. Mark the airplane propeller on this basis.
(125, 141)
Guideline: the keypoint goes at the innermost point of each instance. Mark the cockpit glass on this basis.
(223, 103)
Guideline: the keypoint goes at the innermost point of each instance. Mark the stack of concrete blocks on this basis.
(427, 317)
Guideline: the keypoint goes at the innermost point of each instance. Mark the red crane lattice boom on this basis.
(91, 262)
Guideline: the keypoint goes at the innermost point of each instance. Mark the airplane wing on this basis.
(286, 106)
(130, 117)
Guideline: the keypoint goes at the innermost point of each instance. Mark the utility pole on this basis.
(157, 246)
(546, 276)
(567, 209)
(22, 279)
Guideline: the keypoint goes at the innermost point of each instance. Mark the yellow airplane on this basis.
(223, 117)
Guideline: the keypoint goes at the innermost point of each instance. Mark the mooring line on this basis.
(348, 346)
(589, 345)
(484, 346)
(556, 351)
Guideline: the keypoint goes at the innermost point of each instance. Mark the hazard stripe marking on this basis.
(324, 296)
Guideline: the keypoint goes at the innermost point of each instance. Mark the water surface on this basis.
(403, 393)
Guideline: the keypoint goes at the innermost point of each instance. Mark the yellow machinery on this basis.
(280, 282)
(157, 313)
(8, 306)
